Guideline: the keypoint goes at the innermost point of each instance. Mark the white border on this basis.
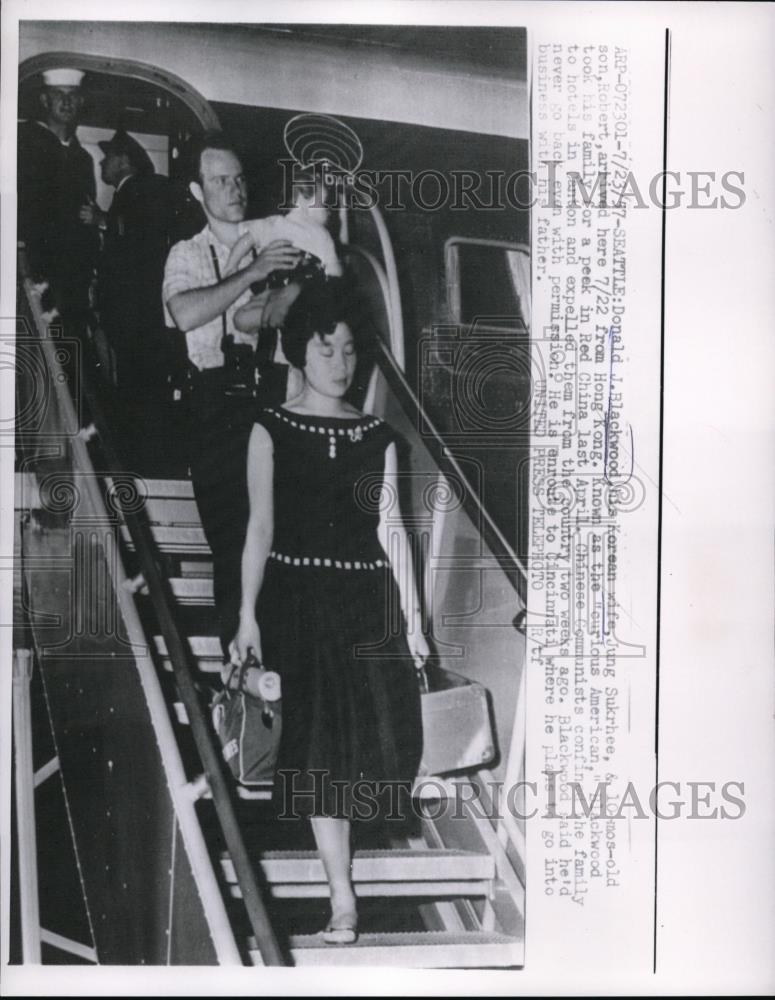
(716, 883)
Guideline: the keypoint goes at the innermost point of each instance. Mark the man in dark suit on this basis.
(56, 189)
(136, 240)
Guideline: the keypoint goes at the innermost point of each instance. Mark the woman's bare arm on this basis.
(258, 540)
(394, 540)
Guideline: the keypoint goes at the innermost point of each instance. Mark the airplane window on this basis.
(488, 283)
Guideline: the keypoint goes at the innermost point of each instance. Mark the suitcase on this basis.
(457, 727)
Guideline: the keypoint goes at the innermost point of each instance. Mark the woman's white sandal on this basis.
(342, 930)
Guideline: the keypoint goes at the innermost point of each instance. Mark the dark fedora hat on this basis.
(122, 143)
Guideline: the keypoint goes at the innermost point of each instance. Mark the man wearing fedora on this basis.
(55, 184)
(130, 272)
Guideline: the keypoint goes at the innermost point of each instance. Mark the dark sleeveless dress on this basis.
(331, 624)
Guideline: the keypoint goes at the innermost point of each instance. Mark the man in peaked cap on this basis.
(130, 273)
(124, 158)
(55, 183)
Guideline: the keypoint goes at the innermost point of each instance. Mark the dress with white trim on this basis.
(331, 623)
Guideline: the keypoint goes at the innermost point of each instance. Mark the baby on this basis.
(305, 227)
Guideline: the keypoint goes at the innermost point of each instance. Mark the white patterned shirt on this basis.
(190, 265)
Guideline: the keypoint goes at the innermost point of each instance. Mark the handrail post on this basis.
(392, 287)
(25, 808)
(391, 272)
(449, 465)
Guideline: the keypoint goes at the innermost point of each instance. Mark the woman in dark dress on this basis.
(327, 576)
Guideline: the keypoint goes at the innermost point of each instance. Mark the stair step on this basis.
(254, 793)
(446, 889)
(192, 590)
(405, 872)
(382, 865)
(174, 517)
(412, 949)
(197, 568)
(205, 648)
(172, 511)
(166, 488)
(188, 539)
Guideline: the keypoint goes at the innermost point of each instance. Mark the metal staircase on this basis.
(459, 876)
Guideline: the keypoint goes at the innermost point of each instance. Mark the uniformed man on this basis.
(56, 189)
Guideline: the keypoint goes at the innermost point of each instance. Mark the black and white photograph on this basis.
(386, 498)
(273, 377)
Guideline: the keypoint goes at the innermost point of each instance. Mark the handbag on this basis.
(456, 720)
(247, 716)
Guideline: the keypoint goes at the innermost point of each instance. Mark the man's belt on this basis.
(223, 380)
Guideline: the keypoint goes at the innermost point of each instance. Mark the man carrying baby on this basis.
(205, 284)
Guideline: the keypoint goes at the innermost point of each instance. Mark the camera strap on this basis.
(217, 270)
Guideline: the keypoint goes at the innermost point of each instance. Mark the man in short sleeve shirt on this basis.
(202, 290)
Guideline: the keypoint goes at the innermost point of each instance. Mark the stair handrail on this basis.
(473, 505)
(161, 597)
(393, 373)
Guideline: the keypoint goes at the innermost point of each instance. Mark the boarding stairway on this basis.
(430, 874)
(459, 877)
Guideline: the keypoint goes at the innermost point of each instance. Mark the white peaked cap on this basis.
(62, 77)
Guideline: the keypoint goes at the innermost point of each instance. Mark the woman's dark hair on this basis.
(322, 304)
